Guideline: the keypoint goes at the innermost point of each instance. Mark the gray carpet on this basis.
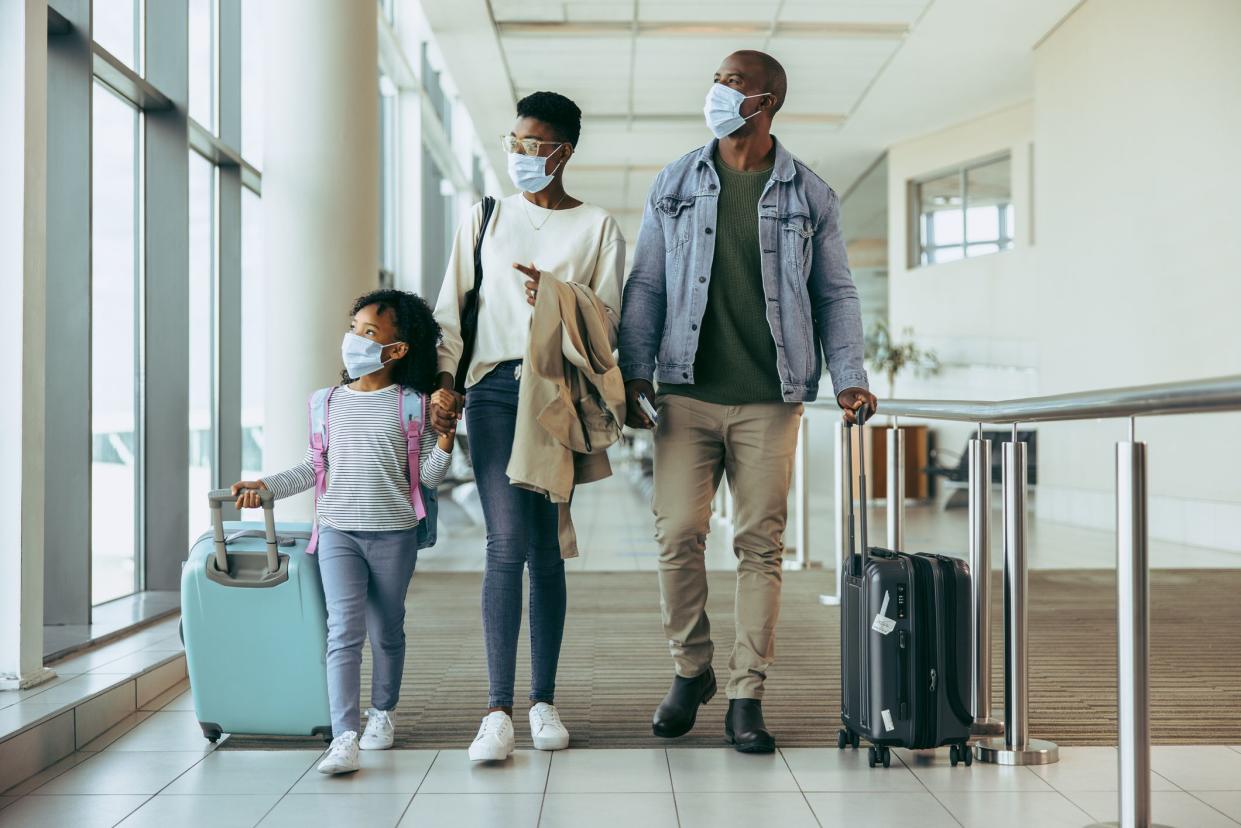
(614, 667)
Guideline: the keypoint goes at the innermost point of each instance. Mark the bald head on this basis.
(763, 73)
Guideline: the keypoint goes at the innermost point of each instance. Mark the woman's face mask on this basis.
(529, 172)
(362, 356)
(723, 109)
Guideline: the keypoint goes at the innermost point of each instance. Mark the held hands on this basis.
(851, 399)
(635, 417)
(532, 281)
(247, 492)
(446, 406)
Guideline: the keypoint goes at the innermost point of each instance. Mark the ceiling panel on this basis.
(852, 11)
(704, 11)
(569, 10)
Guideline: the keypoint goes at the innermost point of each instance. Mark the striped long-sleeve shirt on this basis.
(368, 481)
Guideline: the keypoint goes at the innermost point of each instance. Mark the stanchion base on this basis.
(1036, 752)
(987, 727)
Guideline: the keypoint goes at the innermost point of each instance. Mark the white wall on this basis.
(1137, 129)
(976, 314)
(1131, 270)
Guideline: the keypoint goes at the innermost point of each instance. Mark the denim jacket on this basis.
(812, 303)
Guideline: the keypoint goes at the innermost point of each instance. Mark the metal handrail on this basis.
(1014, 746)
(1188, 397)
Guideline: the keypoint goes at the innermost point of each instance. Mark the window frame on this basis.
(918, 246)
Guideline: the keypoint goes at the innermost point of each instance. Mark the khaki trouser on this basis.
(695, 444)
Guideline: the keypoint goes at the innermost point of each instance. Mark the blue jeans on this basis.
(365, 578)
(521, 532)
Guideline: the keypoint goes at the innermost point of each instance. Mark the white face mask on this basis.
(529, 172)
(723, 109)
(362, 356)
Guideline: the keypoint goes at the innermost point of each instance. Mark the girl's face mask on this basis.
(362, 356)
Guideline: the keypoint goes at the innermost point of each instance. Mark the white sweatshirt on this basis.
(583, 244)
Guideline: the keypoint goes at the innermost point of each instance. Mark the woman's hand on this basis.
(532, 281)
(247, 492)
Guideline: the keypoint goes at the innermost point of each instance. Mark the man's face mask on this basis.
(723, 109)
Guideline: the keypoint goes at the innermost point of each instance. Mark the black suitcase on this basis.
(904, 646)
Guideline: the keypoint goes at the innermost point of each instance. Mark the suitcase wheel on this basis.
(871, 756)
(887, 758)
(879, 755)
(211, 731)
(842, 739)
(960, 753)
(856, 740)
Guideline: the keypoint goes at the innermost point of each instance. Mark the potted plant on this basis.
(889, 357)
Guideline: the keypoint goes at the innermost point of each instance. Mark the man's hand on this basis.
(446, 411)
(851, 399)
(635, 417)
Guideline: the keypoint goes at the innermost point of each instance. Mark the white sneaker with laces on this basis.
(494, 742)
(342, 754)
(547, 730)
(380, 727)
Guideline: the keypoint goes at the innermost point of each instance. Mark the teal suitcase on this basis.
(254, 625)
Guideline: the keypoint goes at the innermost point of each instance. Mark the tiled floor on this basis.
(156, 770)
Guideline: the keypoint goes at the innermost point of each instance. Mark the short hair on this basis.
(777, 79)
(555, 110)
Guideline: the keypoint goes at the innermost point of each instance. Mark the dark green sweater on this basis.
(736, 358)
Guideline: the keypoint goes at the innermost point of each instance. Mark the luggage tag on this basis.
(882, 624)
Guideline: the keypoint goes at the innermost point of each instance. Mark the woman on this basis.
(540, 230)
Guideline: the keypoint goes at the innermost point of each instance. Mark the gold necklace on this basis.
(526, 212)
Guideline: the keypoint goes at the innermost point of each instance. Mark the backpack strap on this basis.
(411, 411)
(319, 414)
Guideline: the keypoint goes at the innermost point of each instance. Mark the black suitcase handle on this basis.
(862, 414)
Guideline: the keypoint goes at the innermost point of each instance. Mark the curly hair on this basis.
(555, 110)
(416, 327)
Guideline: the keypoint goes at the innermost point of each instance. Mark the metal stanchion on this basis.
(896, 487)
(1132, 636)
(801, 498)
(844, 467)
(1015, 747)
(980, 586)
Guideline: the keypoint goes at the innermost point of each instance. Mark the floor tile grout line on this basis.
(1194, 795)
(672, 785)
(421, 782)
(927, 788)
(141, 805)
(546, 780)
(800, 790)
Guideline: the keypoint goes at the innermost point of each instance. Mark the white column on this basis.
(23, 276)
(320, 204)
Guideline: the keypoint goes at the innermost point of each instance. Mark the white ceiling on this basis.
(863, 74)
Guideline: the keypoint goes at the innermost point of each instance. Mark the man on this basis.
(739, 284)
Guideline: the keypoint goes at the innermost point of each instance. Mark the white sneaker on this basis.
(494, 741)
(342, 754)
(547, 730)
(379, 730)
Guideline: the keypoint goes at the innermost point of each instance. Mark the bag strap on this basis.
(318, 412)
(468, 335)
(410, 408)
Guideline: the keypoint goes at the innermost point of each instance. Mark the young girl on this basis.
(367, 526)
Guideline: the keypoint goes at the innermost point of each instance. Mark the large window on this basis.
(967, 212)
(117, 27)
(204, 74)
(252, 82)
(115, 353)
(253, 320)
(202, 312)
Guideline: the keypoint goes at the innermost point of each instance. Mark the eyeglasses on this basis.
(529, 146)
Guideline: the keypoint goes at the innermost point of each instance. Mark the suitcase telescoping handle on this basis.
(217, 498)
(862, 415)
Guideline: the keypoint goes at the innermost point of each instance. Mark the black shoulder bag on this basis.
(469, 310)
